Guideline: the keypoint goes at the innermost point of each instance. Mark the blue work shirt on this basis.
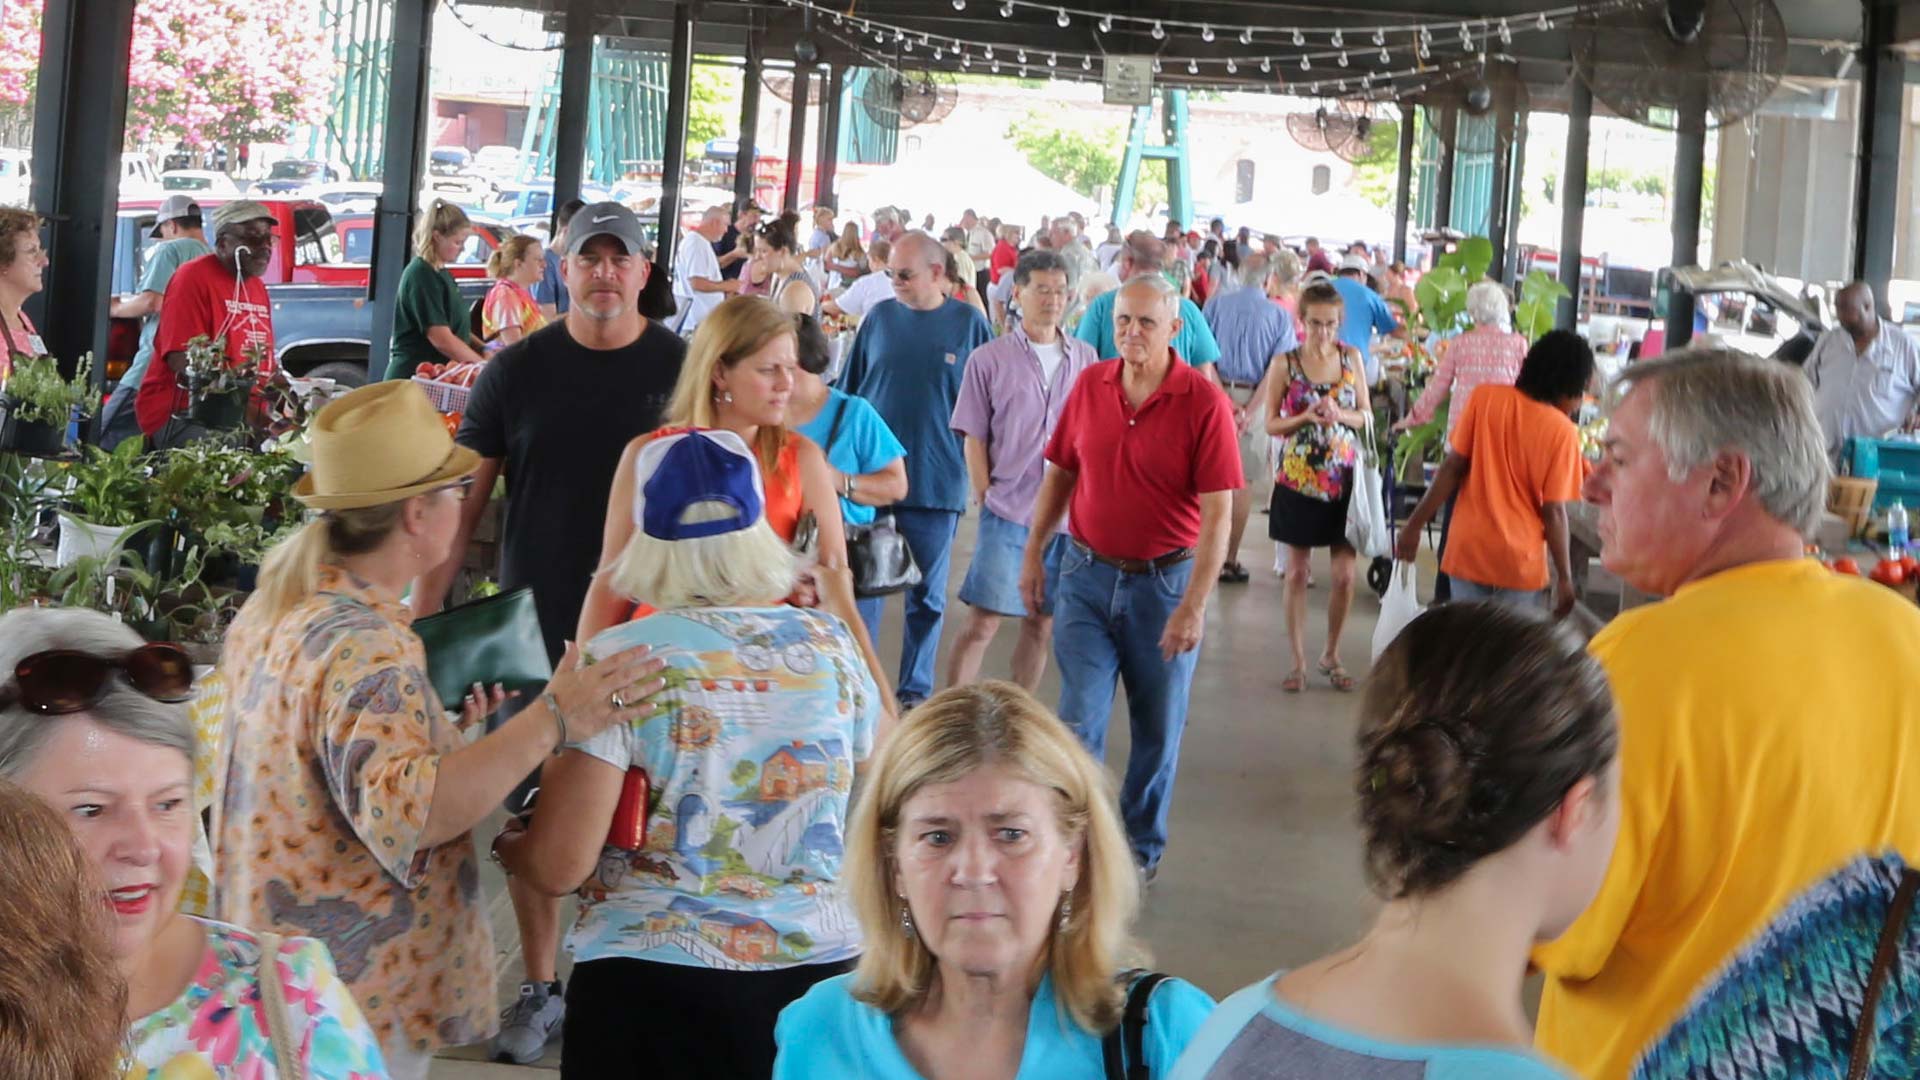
(908, 364)
(1367, 311)
(1251, 330)
(552, 286)
(1194, 342)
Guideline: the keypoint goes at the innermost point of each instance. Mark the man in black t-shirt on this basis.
(727, 248)
(554, 412)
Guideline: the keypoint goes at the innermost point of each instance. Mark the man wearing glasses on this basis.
(219, 296)
(908, 360)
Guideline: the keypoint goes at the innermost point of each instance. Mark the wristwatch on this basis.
(853, 485)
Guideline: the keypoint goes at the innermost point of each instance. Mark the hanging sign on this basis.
(1129, 80)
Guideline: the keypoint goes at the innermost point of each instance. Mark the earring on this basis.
(726, 397)
(906, 923)
(1066, 911)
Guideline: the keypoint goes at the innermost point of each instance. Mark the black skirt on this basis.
(1299, 521)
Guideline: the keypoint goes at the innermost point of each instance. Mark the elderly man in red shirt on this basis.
(1146, 456)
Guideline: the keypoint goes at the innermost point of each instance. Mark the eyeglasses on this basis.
(461, 488)
(903, 275)
(62, 681)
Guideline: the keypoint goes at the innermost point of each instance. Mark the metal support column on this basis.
(1516, 188)
(829, 135)
(404, 154)
(797, 135)
(576, 103)
(1403, 183)
(1443, 182)
(1876, 185)
(1497, 209)
(79, 122)
(673, 168)
(1573, 201)
(746, 153)
(1689, 173)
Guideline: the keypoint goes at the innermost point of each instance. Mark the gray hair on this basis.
(121, 709)
(1039, 261)
(1487, 304)
(1714, 400)
(1253, 272)
(1159, 285)
(750, 566)
(931, 251)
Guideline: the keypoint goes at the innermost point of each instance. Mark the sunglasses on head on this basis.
(62, 681)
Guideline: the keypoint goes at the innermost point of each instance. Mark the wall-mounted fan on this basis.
(1647, 62)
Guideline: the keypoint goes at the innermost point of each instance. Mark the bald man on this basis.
(1865, 373)
(1146, 457)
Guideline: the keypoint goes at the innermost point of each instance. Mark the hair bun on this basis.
(1422, 778)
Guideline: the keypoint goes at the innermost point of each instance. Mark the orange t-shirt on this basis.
(1523, 454)
(784, 494)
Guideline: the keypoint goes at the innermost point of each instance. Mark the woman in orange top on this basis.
(739, 375)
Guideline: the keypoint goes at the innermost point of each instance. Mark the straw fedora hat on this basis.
(380, 444)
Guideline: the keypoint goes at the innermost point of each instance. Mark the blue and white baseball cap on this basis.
(675, 472)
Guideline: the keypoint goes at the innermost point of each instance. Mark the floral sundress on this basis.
(1317, 461)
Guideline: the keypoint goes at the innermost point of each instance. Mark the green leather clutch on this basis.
(495, 640)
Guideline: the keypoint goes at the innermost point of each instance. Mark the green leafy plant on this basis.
(1540, 296)
(211, 374)
(41, 395)
(110, 487)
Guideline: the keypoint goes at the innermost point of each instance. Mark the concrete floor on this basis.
(1262, 868)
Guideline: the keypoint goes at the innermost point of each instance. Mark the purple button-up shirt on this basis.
(1006, 402)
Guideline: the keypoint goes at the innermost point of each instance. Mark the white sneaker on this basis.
(529, 1024)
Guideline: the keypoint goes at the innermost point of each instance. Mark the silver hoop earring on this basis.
(906, 923)
(1066, 911)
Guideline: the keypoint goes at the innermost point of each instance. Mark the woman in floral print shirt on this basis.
(349, 797)
(119, 769)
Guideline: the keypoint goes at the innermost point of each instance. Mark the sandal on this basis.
(1341, 681)
(1294, 683)
(1234, 574)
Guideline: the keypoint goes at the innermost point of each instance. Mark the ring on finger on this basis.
(618, 703)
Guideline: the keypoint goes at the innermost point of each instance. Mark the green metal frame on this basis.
(355, 128)
(627, 120)
(1173, 118)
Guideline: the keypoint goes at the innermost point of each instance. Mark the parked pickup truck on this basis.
(322, 317)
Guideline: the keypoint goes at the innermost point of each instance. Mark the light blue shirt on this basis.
(1251, 330)
(863, 444)
(828, 1033)
(1194, 342)
(1255, 1036)
(1367, 311)
(163, 262)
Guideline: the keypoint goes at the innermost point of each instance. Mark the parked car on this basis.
(199, 182)
(355, 198)
(138, 178)
(449, 160)
(322, 322)
(355, 235)
(536, 199)
(498, 163)
(291, 175)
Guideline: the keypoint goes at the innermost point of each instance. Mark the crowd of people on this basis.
(794, 862)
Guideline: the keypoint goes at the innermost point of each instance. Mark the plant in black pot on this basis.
(217, 389)
(38, 403)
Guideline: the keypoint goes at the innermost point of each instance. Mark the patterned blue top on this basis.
(1789, 1003)
(750, 753)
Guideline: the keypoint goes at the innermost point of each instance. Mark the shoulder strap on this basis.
(1864, 1036)
(273, 1001)
(833, 430)
(1124, 1048)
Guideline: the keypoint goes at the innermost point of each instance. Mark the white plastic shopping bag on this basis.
(1399, 607)
(1366, 505)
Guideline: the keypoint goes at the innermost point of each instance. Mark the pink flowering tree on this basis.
(203, 72)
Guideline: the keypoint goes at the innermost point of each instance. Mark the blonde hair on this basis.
(509, 254)
(735, 330)
(748, 567)
(291, 571)
(947, 738)
(441, 219)
(848, 245)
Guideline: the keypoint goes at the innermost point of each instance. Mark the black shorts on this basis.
(638, 1020)
(1301, 521)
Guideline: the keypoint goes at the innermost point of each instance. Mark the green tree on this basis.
(1087, 162)
(797, 942)
(743, 772)
(713, 111)
(1375, 174)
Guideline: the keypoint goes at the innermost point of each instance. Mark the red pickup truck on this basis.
(322, 320)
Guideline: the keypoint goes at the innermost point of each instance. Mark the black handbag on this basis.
(877, 554)
(495, 640)
(1123, 1049)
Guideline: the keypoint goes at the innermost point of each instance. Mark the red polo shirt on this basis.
(1141, 472)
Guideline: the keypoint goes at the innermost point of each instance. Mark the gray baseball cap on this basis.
(239, 212)
(173, 208)
(605, 219)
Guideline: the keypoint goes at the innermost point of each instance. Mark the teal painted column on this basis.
(1179, 168)
(1129, 181)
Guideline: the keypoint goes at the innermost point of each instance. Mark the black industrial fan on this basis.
(780, 85)
(1340, 128)
(1655, 62)
(908, 98)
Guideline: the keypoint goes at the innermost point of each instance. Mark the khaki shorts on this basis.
(1256, 459)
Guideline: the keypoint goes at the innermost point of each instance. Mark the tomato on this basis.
(1890, 572)
(452, 421)
(1845, 565)
(1911, 565)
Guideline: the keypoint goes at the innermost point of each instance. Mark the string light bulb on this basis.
(1343, 58)
(1298, 37)
(1062, 20)
(1543, 22)
(966, 60)
(1106, 24)
(1156, 65)
(1021, 56)
(938, 52)
(1266, 63)
(1232, 68)
(1006, 10)
(1193, 67)
(1246, 36)
(908, 47)
(1338, 40)
(1206, 32)
(1379, 36)
(959, 5)
(1506, 34)
(1159, 32)
(995, 66)
(1086, 63)
(1385, 57)
(1052, 60)
(1306, 63)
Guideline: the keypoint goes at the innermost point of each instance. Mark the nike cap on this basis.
(606, 219)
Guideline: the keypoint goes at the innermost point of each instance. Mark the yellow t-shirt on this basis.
(1770, 731)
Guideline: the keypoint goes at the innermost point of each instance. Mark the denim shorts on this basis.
(993, 581)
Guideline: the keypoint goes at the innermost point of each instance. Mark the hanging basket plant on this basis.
(217, 389)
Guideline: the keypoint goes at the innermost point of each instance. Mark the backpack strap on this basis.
(1864, 1036)
(1124, 1048)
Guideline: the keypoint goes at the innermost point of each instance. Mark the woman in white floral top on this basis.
(92, 720)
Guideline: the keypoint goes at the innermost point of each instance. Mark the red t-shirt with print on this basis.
(204, 298)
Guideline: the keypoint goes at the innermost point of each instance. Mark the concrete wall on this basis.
(1784, 199)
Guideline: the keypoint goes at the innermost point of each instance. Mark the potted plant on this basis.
(106, 500)
(39, 404)
(217, 390)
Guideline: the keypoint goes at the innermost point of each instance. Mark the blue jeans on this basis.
(929, 536)
(1107, 625)
(1468, 592)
